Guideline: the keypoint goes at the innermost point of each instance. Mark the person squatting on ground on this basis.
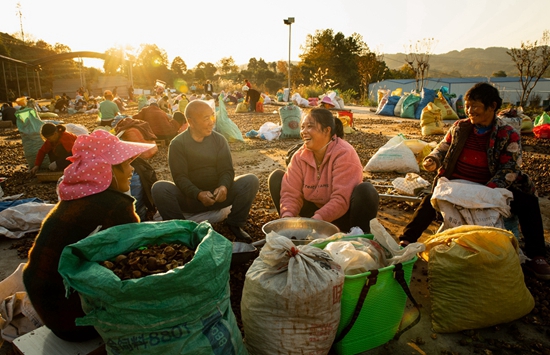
(252, 97)
(204, 179)
(324, 179)
(108, 110)
(162, 125)
(58, 145)
(8, 113)
(483, 149)
(94, 192)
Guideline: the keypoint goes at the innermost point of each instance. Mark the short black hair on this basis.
(485, 93)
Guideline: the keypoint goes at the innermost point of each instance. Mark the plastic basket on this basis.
(347, 114)
(51, 176)
(381, 314)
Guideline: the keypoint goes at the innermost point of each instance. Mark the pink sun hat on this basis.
(93, 155)
(327, 100)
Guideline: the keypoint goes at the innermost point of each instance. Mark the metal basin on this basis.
(242, 253)
(300, 230)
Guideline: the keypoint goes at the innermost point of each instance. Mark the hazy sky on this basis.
(210, 30)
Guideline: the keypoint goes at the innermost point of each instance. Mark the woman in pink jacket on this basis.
(324, 179)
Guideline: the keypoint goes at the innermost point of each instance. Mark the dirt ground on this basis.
(531, 334)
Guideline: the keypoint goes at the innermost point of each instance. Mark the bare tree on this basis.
(418, 58)
(532, 60)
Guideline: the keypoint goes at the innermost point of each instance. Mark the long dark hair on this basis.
(326, 119)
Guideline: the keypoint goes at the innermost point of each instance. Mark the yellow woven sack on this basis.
(430, 120)
(447, 112)
(241, 107)
(346, 123)
(475, 278)
(397, 92)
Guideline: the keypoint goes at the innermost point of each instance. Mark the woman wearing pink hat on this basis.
(93, 194)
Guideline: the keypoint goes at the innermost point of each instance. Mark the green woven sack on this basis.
(378, 319)
(409, 106)
(183, 311)
(541, 119)
(290, 121)
(29, 126)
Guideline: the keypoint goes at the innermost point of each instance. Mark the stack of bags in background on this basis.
(431, 107)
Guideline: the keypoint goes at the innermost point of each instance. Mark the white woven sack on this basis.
(291, 299)
(395, 155)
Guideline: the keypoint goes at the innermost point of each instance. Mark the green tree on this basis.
(262, 75)
(61, 48)
(532, 60)
(43, 45)
(151, 64)
(227, 65)
(114, 62)
(262, 65)
(336, 53)
(371, 68)
(178, 67)
(252, 65)
(499, 74)
(404, 72)
(272, 85)
(208, 69)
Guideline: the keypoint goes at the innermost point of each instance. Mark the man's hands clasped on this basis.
(208, 198)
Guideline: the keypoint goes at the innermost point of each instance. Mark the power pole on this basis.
(20, 14)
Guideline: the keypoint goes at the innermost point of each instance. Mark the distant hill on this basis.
(465, 63)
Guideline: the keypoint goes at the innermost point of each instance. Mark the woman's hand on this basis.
(429, 164)
(34, 170)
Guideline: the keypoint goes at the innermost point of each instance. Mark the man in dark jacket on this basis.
(203, 175)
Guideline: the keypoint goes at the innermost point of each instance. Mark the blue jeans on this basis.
(172, 203)
(363, 204)
(137, 192)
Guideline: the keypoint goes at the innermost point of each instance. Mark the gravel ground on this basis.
(261, 157)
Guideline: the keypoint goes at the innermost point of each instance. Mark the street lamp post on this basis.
(289, 21)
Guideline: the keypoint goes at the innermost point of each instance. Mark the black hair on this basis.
(485, 93)
(48, 129)
(326, 119)
(179, 117)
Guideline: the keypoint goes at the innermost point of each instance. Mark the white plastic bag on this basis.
(270, 131)
(291, 299)
(210, 216)
(393, 156)
(357, 256)
(17, 315)
(395, 253)
(27, 217)
(76, 129)
(463, 202)
(410, 184)
(299, 101)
